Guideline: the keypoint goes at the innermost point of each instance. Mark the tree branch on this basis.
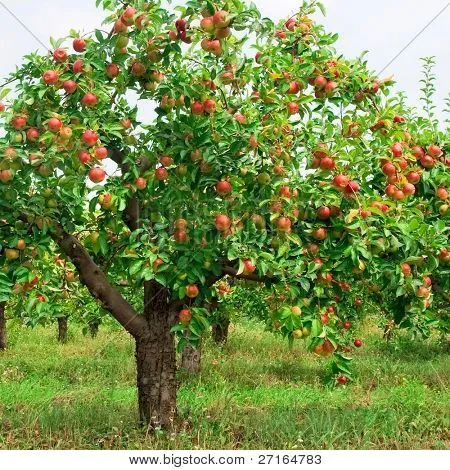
(132, 211)
(99, 286)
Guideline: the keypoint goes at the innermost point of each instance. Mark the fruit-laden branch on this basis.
(99, 286)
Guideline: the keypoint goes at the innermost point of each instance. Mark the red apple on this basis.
(418, 151)
(127, 17)
(397, 149)
(330, 88)
(84, 157)
(422, 291)
(141, 183)
(207, 24)
(101, 153)
(427, 161)
(351, 188)
(50, 77)
(222, 223)
(166, 160)
(399, 119)
(283, 224)
(18, 122)
(399, 195)
(294, 88)
(97, 175)
(180, 236)
(89, 100)
(249, 268)
(413, 177)
(375, 87)
(192, 291)
(197, 108)
(70, 86)
(409, 189)
(33, 134)
(209, 106)
(327, 163)
(221, 19)
(320, 81)
(161, 174)
(389, 169)
(290, 24)
(89, 138)
(434, 151)
(112, 70)
(341, 181)
(320, 233)
(78, 66)
(323, 213)
(184, 316)
(79, 44)
(390, 190)
(293, 108)
(120, 27)
(60, 55)
(223, 188)
(406, 269)
(442, 193)
(54, 124)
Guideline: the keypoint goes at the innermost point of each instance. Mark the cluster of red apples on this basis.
(400, 176)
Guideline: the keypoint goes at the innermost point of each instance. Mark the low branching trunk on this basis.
(156, 360)
(191, 358)
(62, 329)
(219, 331)
(2, 326)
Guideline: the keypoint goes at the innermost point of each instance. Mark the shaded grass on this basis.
(252, 394)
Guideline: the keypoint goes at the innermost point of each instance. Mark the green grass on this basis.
(253, 394)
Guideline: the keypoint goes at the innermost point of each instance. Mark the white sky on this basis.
(382, 27)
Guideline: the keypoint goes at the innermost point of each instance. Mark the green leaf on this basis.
(135, 266)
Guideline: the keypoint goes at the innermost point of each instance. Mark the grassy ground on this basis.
(254, 394)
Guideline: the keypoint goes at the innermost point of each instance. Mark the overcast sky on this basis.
(383, 28)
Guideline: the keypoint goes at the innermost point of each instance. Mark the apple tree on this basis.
(264, 168)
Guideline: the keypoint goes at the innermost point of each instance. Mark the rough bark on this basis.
(219, 331)
(62, 329)
(156, 360)
(3, 342)
(191, 358)
(99, 286)
(93, 328)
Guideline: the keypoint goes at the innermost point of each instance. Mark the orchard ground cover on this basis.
(254, 393)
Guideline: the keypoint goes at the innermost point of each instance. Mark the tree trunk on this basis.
(93, 328)
(191, 358)
(2, 326)
(156, 360)
(220, 331)
(62, 329)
